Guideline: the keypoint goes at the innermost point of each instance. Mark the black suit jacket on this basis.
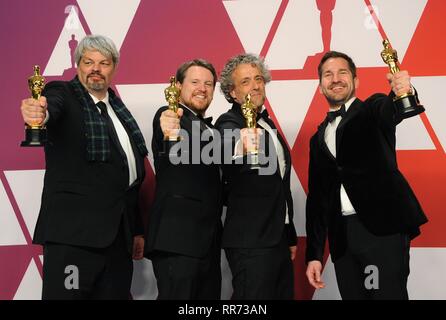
(366, 165)
(256, 203)
(83, 202)
(186, 215)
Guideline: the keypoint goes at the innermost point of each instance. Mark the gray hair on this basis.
(226, 82)
(99, 43)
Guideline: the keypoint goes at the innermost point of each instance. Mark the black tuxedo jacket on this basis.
(366, 165)
(256, 204)
(186, 215)
(83, 202)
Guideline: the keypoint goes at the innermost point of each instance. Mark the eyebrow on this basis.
(91, 59)
(197, 79)
(330, 71)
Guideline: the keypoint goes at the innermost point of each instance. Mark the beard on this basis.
(337, 100)
(197, 107)
(96, 86)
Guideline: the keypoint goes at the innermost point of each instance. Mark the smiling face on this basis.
(337, 83)
(197, 89)
(95, 72)
(248, 78)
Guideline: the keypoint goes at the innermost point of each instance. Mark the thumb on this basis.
(317, 275)
(180, 112)
(42, 101)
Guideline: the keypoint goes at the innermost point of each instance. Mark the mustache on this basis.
(200, 93)
(337, 84)
(96, 74)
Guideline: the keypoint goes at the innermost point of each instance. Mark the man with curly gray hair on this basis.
(259, 237)
(226, 80)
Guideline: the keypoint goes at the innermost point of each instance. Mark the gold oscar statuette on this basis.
(407, 105)
(249, 111)
(172, 95)
(35, 133)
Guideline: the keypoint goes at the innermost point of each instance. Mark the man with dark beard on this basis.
(89, 223)
(356, 194)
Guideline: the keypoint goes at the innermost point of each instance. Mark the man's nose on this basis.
(96, 67)
(202, 87)
(335, 78)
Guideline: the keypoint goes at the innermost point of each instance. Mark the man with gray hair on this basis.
(258, 234)
(89, 223)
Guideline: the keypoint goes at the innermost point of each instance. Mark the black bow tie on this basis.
(207, 120)
(331, 115)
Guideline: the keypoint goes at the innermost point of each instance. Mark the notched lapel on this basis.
(321, 140)
(349, 115)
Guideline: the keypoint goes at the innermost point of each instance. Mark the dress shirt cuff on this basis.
(47, 118)
(238, 150)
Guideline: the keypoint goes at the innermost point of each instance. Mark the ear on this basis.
(320, 89)
(232, 93)
(356, 80)
(178, 85)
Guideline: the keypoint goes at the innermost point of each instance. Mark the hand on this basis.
(170, 122)
(293, 250)
(400, 83)
(313, 273)
(34, 111)
(250, 139)
(138, 247)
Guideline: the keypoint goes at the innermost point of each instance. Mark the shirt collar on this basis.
(348, 103)
(96, 100)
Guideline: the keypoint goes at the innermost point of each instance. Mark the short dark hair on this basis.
(181, 72)
(336, 54)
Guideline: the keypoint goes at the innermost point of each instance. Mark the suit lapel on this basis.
(236, 108)
(188, 120)
(286, 154)
(351, 113)
(139, 161)
(284, 146)
(321, 140)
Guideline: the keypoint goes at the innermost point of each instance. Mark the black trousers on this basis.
(181, 277)
(373, 267)
(81, 273)
(262, 273)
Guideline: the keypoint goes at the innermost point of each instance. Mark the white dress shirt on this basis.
(280, 155)
(122, 136)
(330, 140)
(238, 152)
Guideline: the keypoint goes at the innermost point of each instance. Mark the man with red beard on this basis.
(89, 223)
(183, 237)
(356, 194)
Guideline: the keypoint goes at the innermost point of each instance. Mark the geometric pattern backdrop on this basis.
(155, 37)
